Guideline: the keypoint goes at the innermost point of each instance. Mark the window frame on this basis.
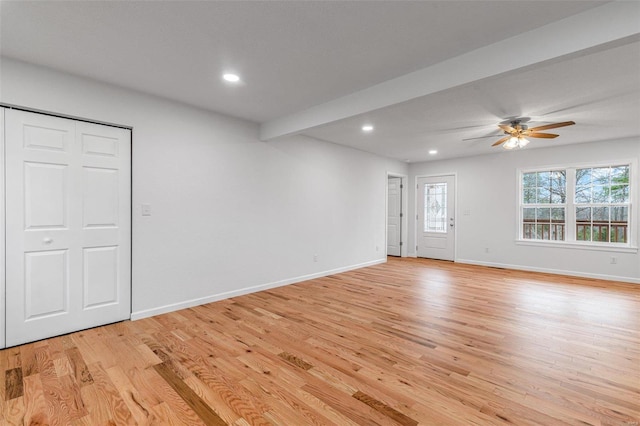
(570, 205)
(537, 206)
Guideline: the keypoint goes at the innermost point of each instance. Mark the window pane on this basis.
(558, 186)
(544, 196)
(529, 196)
(543, 214)
(620, 214)
(600, 233)
(600, 194)
(600, 176)
(529, 180)
(618, 234)
(529, 214)
(583, 214)
(620, 193)
(557, 197)
(583, 232)
(543, 179)
(619, 175)
(435, 207)
(557, 215)
(583, 177)
(583, 194)
(600, 214)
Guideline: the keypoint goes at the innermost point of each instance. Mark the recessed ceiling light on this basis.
(231, 78)
(367, 128)
(433, 151)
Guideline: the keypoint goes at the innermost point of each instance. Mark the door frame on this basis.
(404, 206)
(455, 209)
(3, 258)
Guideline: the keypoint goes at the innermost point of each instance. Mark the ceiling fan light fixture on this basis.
(511, 143)
(515, 133)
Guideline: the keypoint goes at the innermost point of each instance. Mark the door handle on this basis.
(47, 240)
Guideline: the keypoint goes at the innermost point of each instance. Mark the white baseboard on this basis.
(226, 295)
(551, 271)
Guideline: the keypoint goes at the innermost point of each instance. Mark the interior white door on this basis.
(2, 257)
(394, 218)
(68, 230)
(436, 217)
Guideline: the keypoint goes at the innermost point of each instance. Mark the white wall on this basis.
(230, 214)
(487, 187)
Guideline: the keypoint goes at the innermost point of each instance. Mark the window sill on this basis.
(578, 246)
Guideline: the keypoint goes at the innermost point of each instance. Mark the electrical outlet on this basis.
(146, 210)
(486, 249)
(315, 257)
(613, 260)
(377, 248)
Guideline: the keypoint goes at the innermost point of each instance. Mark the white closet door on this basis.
(68, 226)
(2, 258)
(394, 208)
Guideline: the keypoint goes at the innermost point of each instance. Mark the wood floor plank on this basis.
(188, 395)
(35, 403)
(385, 409)
(411, 341)
(13, 383)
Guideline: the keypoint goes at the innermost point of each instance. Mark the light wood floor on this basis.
(408, 342)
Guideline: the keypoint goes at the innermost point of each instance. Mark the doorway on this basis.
(436, 221)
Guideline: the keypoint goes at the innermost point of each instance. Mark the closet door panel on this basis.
(68, 226)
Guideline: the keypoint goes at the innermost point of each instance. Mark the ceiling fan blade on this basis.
(541, 135)
(482, 137)
(552, 126)
(501, 141)
(506, 128)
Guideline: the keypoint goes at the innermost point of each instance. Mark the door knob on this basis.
(47, 240)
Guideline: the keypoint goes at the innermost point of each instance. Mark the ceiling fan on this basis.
(516, 133)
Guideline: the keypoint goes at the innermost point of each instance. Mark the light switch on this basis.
(146, 210)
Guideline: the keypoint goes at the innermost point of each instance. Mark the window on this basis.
(435, 207)
(544, 205)
(602, 204)
(576, 204)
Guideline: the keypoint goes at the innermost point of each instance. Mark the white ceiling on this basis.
(297, 56)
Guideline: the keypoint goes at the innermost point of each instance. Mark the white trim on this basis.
(551, 271)
(582, 165)
(261, 287)
(594, 246)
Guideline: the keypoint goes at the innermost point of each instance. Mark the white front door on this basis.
(68, 225)
(436, 217)
(394, 218)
